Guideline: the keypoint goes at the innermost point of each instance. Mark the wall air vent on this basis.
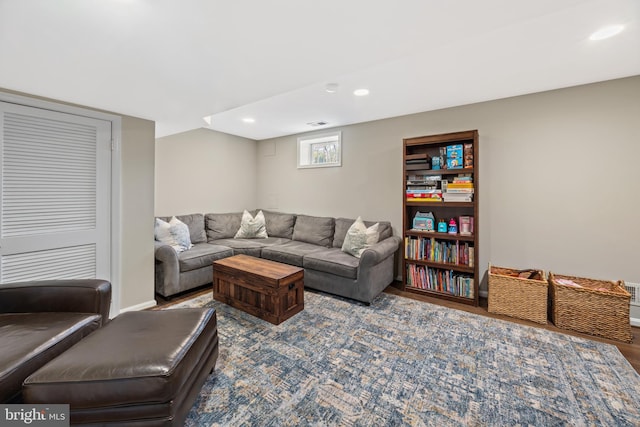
(318, 123)
(634, 290)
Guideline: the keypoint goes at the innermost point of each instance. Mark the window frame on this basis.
(306, 145)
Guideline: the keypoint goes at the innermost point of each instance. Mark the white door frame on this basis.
(116, 154)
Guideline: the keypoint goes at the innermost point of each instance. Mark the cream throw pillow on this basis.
(252, 228)
(359, 237)
(180, 232)
(174, 233)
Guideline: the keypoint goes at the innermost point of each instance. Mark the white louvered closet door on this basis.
(55, 204)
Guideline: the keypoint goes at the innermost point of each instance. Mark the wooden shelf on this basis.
(442, 295)
(416, 270)
(441, 236)
(441, 265)
(446, 204)
(429, 171)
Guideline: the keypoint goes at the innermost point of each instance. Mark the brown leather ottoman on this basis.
(144, 368)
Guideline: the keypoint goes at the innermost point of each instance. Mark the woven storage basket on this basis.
(597, 307)
(516, 296)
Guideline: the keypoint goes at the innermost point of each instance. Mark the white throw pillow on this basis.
(251, 228)
(181, 234)
(174, 233)
(359, 237)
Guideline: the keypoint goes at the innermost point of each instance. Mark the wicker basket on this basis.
(596, 307)
(524, 298)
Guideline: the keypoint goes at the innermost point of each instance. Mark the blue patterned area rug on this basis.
(404, 362)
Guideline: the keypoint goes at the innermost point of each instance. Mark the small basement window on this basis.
(320, 150)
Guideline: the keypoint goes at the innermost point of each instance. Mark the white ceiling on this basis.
(175, 62)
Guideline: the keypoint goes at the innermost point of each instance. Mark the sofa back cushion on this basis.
(195, 222)
(222, 225)
(343, 224)
(279, 224)
(314, 229)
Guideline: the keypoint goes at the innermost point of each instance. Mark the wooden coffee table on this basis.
(266, 289)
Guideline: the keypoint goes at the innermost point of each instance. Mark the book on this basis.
(455, 184)
(423, 199)
(457, 197)
(423, 196)
(459, 191)
(431, 191)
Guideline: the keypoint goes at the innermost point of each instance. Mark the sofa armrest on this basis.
(379, 252)
(165, 253)
(167, 269)
(76, 296)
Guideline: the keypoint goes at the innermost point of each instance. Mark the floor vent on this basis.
(634, 290)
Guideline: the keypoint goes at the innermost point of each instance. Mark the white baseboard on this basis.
(141, 306)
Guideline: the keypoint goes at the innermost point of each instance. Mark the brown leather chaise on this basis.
(144, 368)
(40, 320)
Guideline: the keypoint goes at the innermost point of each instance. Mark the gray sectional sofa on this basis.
(311, 242)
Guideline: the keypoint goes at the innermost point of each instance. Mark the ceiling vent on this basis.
(318, 123)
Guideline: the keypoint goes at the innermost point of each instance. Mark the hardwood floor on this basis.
(630, 351)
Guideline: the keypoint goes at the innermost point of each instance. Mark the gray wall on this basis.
(204, 171)
(558, 179)
(558, 183)
(136, 194)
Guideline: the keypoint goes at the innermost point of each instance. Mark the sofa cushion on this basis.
(195, 222)
(290, 253)
(222, 225)
(252, 227)
(163, 234)
(279, 224)
(314, 229)
(251, 247)
(359, 237)
(202, 255)
(343, 224)
(333, 261)
(30, 340)
(180, 231)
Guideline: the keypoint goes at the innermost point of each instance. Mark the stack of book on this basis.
(445, 281)
(430, 249)
(424, 195)
(460, 190)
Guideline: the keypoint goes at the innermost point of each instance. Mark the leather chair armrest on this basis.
(77, 296)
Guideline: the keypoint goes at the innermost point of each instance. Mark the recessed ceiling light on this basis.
(606, 32)
(361, 92)
(331, 87)
(249, 120)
